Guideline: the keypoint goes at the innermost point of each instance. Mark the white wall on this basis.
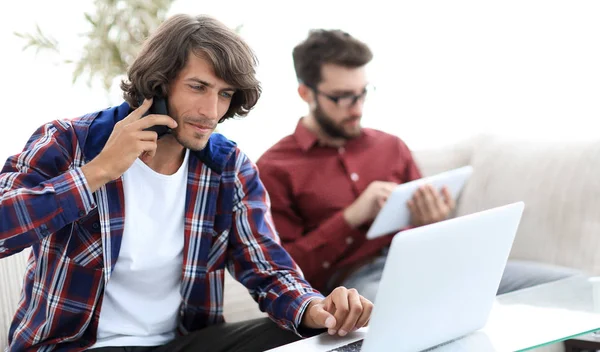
(443, 69)
(37, 89)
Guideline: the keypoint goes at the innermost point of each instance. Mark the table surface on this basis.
(519, 321)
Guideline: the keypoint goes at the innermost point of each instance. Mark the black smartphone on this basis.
(159, 107)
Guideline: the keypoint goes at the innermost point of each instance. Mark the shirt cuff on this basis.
(297, 328)
(334, 229)
(74, 195)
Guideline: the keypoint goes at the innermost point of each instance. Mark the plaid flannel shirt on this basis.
(75, 236)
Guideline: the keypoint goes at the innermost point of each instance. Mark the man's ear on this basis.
(305, 93)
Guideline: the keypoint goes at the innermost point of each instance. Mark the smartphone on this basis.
(159, 107)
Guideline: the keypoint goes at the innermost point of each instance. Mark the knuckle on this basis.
(343, 310)
(127, 128)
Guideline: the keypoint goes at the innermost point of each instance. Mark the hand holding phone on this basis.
(159, 107)
(129, 139)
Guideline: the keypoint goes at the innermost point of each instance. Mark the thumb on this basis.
(322, 318)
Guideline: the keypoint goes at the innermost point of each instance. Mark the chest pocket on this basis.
(85, 242)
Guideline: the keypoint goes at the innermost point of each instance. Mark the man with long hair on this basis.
(132, 218)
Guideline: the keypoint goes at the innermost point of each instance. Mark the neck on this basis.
(168, 158)
(311, 123)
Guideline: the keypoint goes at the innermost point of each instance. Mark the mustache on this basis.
(202, 122)
(351, 118)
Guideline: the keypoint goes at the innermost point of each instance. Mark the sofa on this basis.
(558, 181)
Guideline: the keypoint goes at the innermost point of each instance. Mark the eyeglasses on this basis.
(346, 100)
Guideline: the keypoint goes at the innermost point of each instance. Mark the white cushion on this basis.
(560, 185)
(444, 158)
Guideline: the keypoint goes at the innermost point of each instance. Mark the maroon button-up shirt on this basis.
(310, 186)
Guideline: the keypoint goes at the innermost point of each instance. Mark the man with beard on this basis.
(328, 180)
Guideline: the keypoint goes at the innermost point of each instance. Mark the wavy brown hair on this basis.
(165, 54)
(327, 47)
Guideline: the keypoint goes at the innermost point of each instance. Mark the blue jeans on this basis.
(366, 279)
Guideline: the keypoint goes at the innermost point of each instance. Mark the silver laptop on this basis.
(439, 284)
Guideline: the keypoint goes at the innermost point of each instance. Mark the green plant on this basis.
(118, 29)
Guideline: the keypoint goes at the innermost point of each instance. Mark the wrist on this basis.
(307, 321)
(96, 174)
(352, 219)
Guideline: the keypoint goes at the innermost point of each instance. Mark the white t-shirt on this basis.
(142, 298)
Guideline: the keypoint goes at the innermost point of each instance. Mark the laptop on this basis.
(395, 215)
(438, 285)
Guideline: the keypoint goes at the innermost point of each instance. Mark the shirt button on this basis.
(326, 265)
(96, 225)
(354, 176)
(82, 213)
(341, 150)
(349, 240)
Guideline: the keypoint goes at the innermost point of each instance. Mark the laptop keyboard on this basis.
(356, 346)
(351, 347)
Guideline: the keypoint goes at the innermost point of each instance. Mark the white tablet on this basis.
(395, 215)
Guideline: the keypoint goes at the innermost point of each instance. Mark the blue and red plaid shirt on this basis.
(75, 236)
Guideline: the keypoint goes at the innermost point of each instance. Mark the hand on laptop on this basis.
(341, 312)
(429, 206)
(368, 204)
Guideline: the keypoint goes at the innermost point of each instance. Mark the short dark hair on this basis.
(328, 47)
(165, 53)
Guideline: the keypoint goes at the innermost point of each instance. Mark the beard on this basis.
(333, 129)
(191, 139)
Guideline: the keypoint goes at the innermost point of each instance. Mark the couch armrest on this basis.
(12, 270)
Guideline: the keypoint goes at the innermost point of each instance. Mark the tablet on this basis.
(395, 215)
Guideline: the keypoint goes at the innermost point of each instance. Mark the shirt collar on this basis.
(306, 138)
